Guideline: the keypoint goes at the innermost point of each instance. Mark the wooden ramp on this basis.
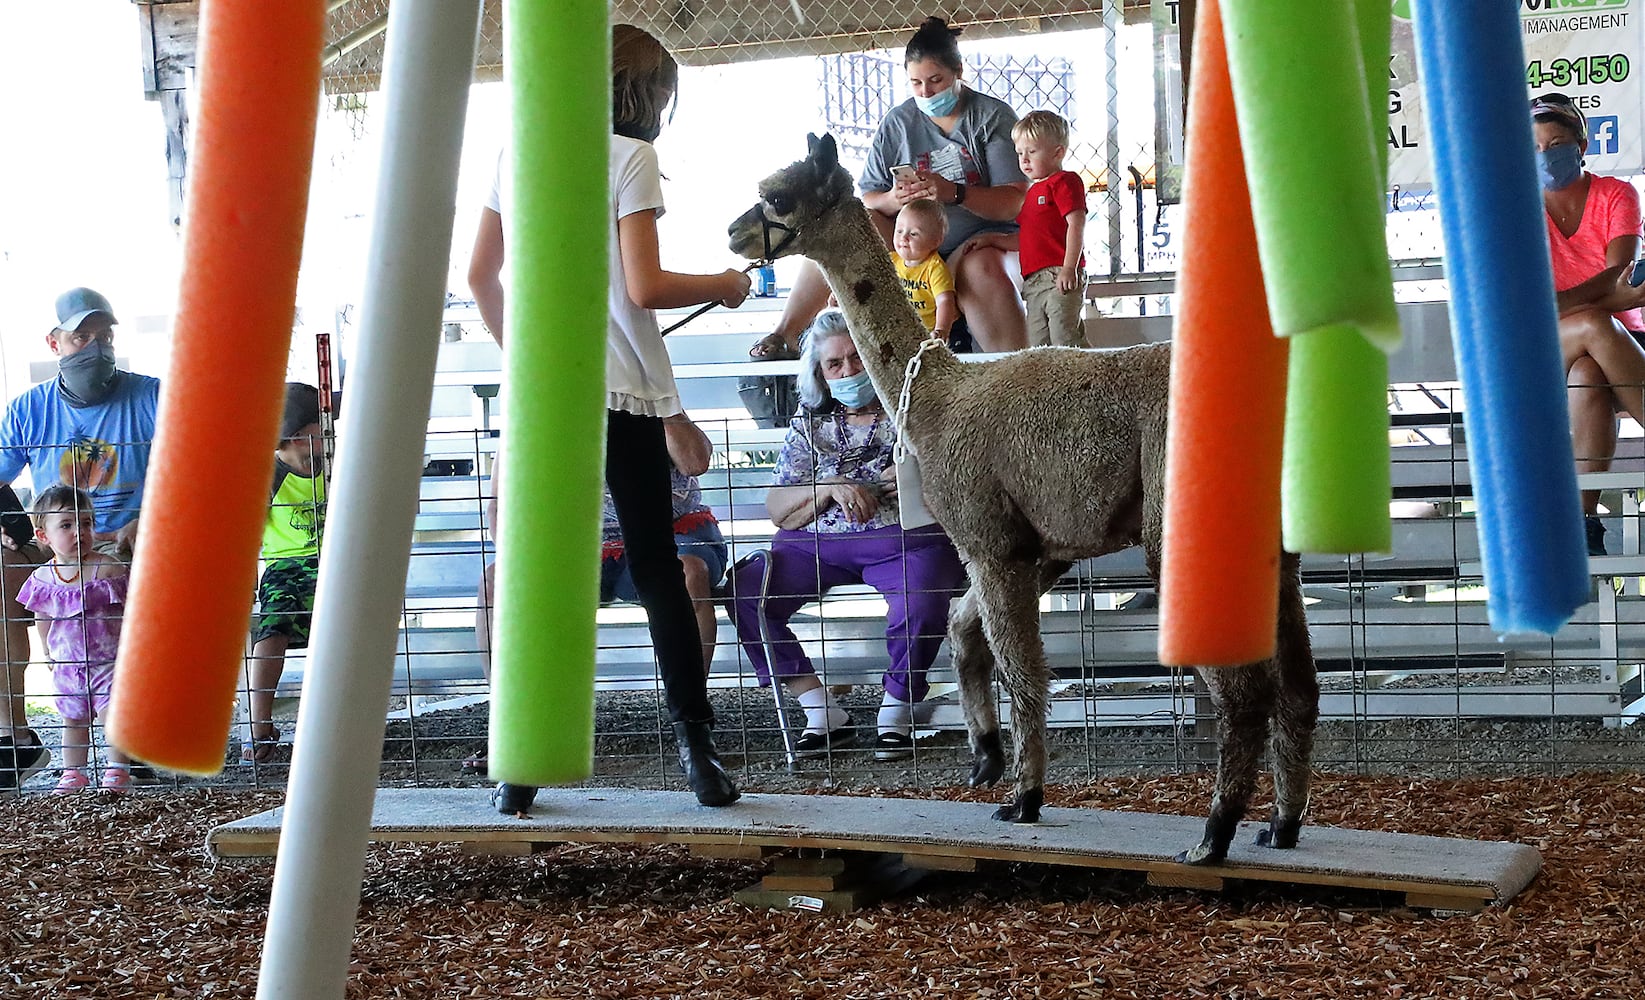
(1434, 872)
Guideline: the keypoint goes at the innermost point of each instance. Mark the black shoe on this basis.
(892, 745)
(511, 800)
(1596, 534)
(819, 744)
(20, 763)
(704, 774)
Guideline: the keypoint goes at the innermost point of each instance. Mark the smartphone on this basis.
(1636, 276)
(905, 174)
(13, 521)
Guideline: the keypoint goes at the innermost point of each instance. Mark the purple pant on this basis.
(917, 572)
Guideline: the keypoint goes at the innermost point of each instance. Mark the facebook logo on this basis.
(1602, 135)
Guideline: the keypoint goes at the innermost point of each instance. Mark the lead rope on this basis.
(900, 450)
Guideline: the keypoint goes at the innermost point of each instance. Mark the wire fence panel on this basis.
(1413, 680)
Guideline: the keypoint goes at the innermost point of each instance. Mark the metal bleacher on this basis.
(1397, 634)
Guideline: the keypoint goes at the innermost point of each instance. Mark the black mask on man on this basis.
(87, 376)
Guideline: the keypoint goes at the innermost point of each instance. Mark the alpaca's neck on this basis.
(883, 323)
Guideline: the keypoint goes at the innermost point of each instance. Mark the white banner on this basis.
(1588, 50)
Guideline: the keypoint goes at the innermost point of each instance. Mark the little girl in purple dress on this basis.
(77, 599)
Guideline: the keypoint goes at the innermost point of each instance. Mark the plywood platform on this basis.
(1435, 872)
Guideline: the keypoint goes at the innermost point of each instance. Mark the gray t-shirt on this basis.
(978, 153)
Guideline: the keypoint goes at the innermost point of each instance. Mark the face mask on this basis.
(940, 105)
(1559, 167)
(853, 391)
(87, 376)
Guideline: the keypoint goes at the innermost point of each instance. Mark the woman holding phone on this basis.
(953, 145)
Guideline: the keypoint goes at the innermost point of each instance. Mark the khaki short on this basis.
(1053, 315)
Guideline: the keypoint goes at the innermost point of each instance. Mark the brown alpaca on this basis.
(1031, 462)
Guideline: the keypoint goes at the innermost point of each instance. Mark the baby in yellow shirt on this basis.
(921, 226)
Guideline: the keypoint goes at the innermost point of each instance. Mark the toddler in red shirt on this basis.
(1051, 233)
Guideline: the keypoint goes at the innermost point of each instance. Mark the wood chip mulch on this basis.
(114, 897)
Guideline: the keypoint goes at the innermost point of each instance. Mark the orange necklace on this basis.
(66, 579)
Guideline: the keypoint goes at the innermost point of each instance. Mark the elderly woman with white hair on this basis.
(835, 506)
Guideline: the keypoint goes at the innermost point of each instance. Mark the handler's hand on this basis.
(737, 286)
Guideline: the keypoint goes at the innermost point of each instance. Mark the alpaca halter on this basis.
(766, 225)
(901, 449)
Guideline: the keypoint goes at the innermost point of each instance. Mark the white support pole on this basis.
(373, 504)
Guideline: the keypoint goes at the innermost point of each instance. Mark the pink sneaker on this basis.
(117, 779)
(72, 781)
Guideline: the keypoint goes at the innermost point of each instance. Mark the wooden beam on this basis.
(1432, 872)
(174, 109)
(169, 36)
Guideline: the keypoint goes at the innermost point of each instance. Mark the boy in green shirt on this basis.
(291, 553)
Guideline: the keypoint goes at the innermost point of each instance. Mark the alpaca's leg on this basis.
(974, 665)
(1010, 617)
(1296, 714)
(1243, 696)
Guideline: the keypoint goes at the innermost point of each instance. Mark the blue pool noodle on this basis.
(1504, 325)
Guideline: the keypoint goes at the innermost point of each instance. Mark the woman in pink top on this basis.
(1593, 235)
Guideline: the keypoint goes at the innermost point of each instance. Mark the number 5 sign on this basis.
(1589, 50)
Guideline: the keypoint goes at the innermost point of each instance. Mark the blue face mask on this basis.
(940, 105)
(853, 391)
(1560, 166)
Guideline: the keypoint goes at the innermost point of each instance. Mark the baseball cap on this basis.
(74, 305)
(301, 409)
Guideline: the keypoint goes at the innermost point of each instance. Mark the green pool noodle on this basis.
(542, 685)
(1374, 21)
(1313, 165)
(1334, 483)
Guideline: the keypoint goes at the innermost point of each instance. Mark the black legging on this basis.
(637, 474)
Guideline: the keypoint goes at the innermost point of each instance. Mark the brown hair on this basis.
(57, 498)
(643, 79)
(934, 39)
(929, 211)
(1041, 125)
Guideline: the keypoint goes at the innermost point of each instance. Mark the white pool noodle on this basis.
(373, 505)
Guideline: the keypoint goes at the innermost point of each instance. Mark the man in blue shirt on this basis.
(91, 427)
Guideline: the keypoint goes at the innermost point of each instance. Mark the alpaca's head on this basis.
(791, 201)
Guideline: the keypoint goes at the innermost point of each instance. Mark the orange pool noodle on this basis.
(206, 498)
(1219, 587)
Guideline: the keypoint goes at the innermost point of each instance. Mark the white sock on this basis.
(822, 713)
(896, 716)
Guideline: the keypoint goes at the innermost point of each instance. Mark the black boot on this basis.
(703, 771)
(511, 800)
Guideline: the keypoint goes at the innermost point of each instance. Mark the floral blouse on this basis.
(823, 445)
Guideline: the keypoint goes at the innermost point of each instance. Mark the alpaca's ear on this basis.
(810, 145)
(824, 156)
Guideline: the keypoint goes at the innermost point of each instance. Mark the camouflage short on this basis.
(285, 600)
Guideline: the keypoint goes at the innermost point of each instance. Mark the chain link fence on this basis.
(1414, 680)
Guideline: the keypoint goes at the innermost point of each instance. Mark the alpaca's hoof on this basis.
(1203, 854)
(1024, 809)
(1282, 834)
(988, 765)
